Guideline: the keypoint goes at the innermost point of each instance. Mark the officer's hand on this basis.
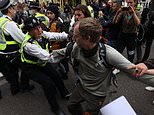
(140, 69)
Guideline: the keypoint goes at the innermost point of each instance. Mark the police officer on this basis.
(36, 57)
(35, 8)
(90, 9)
(10, 38)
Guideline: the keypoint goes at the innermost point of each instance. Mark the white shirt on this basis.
(42, 54)
(12, 29)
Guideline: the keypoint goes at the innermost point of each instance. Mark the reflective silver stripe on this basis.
(1, 36)
(9, 52)
(1, 42)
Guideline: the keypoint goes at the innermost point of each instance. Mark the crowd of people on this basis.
(37, 39)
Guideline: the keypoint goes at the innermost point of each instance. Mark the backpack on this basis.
(102, 56)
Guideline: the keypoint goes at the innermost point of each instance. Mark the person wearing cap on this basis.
(55, 25)
(36, 61)
(35, 8)
(54, 15)
(11, 37)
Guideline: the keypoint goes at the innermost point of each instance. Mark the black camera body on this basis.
(125, 8)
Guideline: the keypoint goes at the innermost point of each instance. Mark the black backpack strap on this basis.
(102, 55)
(69, 49)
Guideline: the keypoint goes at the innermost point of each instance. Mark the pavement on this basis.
(35, 103)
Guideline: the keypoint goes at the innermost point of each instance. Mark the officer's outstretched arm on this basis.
(55, 36)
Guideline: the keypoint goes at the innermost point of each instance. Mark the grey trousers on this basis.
(82, 102)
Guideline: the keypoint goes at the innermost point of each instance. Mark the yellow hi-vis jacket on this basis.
(43, 18)
(5, 41)
(25, 57)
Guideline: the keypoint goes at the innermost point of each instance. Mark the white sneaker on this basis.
(149, 88)
(153, 102)
(115, 71)
(1, 75)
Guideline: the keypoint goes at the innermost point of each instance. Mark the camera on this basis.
(125, 8)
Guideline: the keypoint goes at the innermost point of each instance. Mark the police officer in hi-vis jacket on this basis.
(11, 37)
(36, 60)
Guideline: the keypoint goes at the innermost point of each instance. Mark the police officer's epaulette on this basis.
(31, 40)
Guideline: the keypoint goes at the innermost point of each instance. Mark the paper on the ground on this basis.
(120, 106)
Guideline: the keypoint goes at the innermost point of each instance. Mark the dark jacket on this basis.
(149, 63)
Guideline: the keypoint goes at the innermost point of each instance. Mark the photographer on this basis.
(129, 21)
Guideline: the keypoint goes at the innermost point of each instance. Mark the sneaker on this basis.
(27, 88)
(149, 88)
(115, 71)
(14, 89)
(153, 102)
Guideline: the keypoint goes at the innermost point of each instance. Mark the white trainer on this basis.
(149, 88)
(115, 71)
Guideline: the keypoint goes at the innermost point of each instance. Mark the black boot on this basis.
(25, 88)
(14, 89)
(59, 112)
(55, 107)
